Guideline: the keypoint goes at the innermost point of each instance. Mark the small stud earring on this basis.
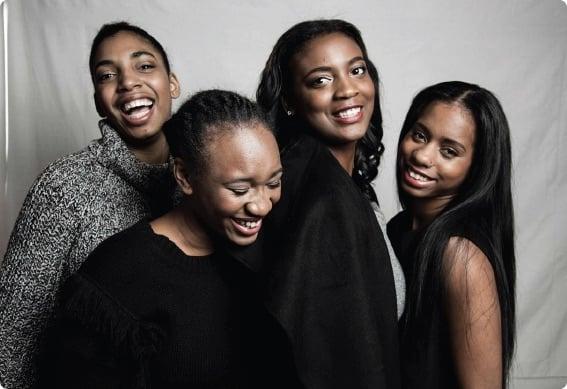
(289, 113)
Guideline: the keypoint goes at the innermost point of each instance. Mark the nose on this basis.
(424, 156)
(346, 88)
(260, 205)
(128, 80)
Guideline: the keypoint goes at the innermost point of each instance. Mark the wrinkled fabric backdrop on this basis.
(517, 49)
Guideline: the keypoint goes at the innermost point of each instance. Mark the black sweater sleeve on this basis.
(96, 343)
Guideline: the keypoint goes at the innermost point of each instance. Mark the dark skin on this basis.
(134, 91)
(333, 92)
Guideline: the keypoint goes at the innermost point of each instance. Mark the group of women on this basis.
(257, 270)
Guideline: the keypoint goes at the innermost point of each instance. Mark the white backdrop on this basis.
(517, 49)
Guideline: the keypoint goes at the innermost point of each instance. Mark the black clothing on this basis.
(426, 359)
(328, 278)
(140, 313)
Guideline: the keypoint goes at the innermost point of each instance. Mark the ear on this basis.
(174, 88)
(98, 106)
(287, 106)
(181, 176)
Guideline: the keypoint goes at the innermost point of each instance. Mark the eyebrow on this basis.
(246, 179)
(443, 140)
(135, 54)
(329, 68)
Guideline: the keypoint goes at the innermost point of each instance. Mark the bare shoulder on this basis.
(469, 278)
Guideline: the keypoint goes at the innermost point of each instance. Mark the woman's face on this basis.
(132, 87)
(332, 89)
(241, 183)
(436, 154)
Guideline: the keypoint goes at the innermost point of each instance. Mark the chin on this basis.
(242, 240)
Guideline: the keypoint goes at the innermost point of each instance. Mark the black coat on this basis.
(328, 278)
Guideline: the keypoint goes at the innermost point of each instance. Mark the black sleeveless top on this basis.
(425, 350)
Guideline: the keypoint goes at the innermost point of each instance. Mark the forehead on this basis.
(327, 50)
(450, 121)
(242, 148)
(124, 42)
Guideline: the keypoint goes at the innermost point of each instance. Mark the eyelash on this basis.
(418, 136)
(362, 68)
(448, 153)
(104, 77)
(146, 67)
(275, 184)
(317, 81)
(239, 191)
(242, 191)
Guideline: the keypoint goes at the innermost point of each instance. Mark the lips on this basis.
(416, 178)
(247, 226)
(137, 111)
(348, 115)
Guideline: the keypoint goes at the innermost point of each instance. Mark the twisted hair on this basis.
(275, 85)
(111, 29)
(203, 117)
(484, 200)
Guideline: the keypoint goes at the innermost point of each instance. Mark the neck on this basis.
(156, 151)
(426, 210)
(344, 154)
(184, 229)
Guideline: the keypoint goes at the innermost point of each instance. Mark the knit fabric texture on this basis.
(78, 201)
(141, 313)
(399, 279)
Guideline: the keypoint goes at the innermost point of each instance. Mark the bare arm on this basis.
(473, 313)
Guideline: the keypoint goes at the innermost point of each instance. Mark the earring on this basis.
(289, 113)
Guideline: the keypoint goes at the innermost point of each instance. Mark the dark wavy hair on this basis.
(111, 29)
(484, 199)
(276, 79)
(206, 115)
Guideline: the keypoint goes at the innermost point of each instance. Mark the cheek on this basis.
(312, 103)
(459, 172)
(368, 90)
(276, 196)
(104, 98)
(405, 149)
(224, 205)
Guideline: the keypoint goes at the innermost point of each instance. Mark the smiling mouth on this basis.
(348, 113)
(247, 227)
(137, 109)
(248, 223)
(419, 177)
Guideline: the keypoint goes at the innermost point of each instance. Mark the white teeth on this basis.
(248, 224)
(351, 112)
(137, 103)
(417, 176)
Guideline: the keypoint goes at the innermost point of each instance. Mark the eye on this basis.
(320, 81)
(359, 70)
(418, 136)
(239, 191)
(106, 76)
(449, 152)
(275, 184)
(146, 67)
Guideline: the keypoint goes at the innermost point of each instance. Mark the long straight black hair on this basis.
(275, 84)
(484, 200)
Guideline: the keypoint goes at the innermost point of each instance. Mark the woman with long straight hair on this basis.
(455, 239)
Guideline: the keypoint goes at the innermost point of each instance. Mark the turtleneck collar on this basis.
(111, 151)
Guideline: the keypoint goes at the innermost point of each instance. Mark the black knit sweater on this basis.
(141, 313)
